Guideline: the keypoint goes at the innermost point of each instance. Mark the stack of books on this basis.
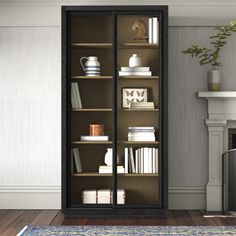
(141, 160)
(153, 30)
(108, 169)
(94, 138)
(135, 71)
(142, 105)
(75, 96)
(141, 134)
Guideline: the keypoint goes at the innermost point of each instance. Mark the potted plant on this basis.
(211, 55)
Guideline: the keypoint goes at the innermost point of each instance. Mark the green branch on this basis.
(218, 40)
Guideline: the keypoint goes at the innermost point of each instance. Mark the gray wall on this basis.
(188, 140)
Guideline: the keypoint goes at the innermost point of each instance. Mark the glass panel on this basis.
(91, 109)
(138, 110)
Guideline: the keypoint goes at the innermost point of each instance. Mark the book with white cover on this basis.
(141, 139)
(150, 29)
(108, 170)
(150, 160)
(154, 161)
(146, 161)
(142, 104)
(140, 128)
(135, 73)
(93, 138)
(126, 160)
(155, 31)
(138, 68)
(157, 166)
(77, 160)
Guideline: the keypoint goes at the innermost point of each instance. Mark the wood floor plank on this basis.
(23, 220)
(58, 219)
(170, 219)
(197, 218)
(220, 221)
(182, 218)
(7, 218)
(45, 217)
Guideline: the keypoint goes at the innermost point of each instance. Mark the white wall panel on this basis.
(30, 95)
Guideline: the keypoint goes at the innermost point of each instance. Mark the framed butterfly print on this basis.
(130, 95)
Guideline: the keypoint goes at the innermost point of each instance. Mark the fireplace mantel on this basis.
(221, 109)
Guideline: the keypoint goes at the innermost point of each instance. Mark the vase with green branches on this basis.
(211, 55)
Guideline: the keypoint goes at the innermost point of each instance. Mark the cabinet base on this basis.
(114, 213)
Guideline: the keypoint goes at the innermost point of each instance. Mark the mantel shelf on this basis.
(104, 174)
(220, 94)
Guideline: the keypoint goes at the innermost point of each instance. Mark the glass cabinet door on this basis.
(137, 84)
(91, 109)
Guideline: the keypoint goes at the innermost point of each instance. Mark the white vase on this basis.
(214, 80)
(135, 61)
(108, 157)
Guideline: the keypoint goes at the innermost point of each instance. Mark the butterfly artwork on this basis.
(133, 95)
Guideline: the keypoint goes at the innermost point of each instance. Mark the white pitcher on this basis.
(91, 66)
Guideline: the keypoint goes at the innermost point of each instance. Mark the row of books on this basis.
(153, 30)
(135, 71)
(75, 96)
(141, 160)
(141, 134)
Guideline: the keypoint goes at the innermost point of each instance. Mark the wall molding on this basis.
(49, 197)
(181, 13)
(187, 198)
(30, 197)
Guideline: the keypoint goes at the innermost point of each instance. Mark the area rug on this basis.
(127, 230)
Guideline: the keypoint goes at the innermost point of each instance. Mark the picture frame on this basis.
(130, 95)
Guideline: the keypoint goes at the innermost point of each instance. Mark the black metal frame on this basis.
(114, 210)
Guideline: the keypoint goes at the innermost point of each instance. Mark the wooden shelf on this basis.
(91, 109)
(103, 174)
(102, 77)
(138, 45)
(138, 142)
(155, 77)
(91, 142)
(92, 45)
(138, 110)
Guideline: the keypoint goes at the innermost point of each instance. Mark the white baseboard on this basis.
(33, 197)
(187, 198)
(49, 197)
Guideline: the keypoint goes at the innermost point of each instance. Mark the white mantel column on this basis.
(221, 108)
(214, 185)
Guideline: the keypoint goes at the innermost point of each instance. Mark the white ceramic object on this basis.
(135, 61)
(108, 157)
(91, 66)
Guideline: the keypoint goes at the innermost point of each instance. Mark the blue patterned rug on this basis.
(127, 230)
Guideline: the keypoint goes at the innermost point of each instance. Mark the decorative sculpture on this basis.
(140, 30)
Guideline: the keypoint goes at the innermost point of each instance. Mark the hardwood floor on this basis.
(12, 221)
